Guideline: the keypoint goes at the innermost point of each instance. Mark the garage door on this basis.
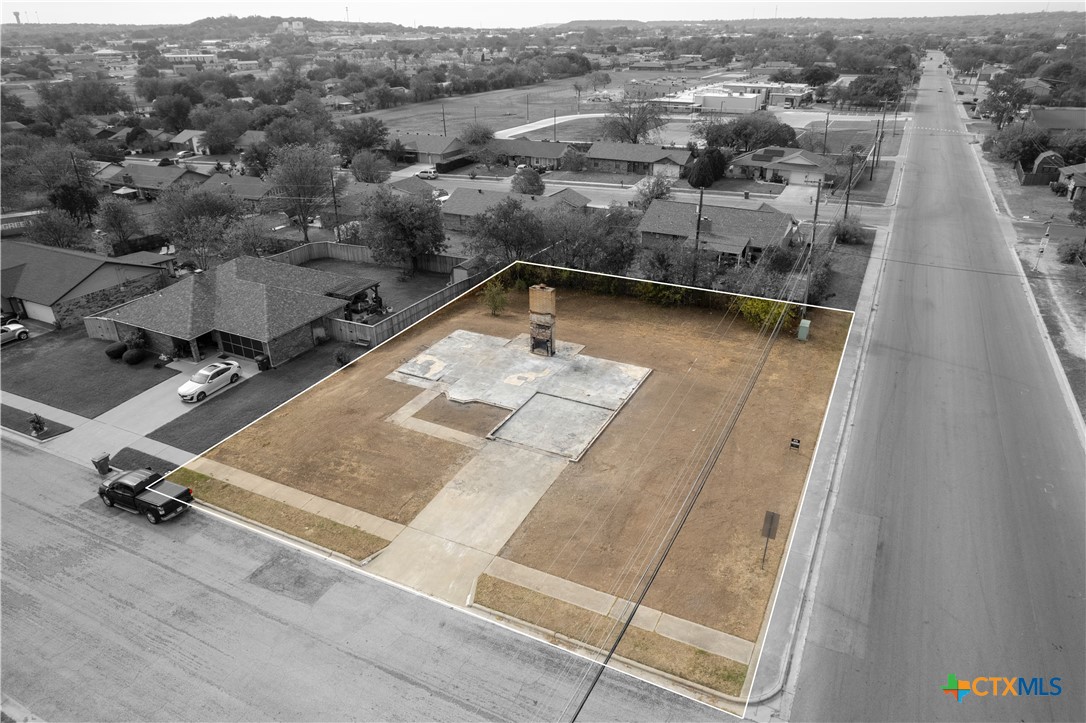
(240, 345)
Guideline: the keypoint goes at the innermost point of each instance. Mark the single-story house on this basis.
(533, 153)
(1075, 178)
(988, 72)
(248, 139)
(1041, 89)
(430, 149)
(787, 165)
(188, 140)
(245, 307)
(418, 187)
(465, 204)
(250, 189)
(146, 181)
(639, 158)
(337, 102)
(61, 286)
(1059, 119)
(732, 234)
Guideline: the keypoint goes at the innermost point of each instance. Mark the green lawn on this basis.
(68, 370)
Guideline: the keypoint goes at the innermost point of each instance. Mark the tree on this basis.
(118, 220)
(174, 111)
(573, 160)
(363, 134)
(56, 228)
(196, 220)
(12, 107)
(506, 232)
(603, 242)
(370, 167)
(495, 298)
(477, 137)
(396, 150)
(631, 121)
(650, 188)
(399, 229)
(599, 79)
(747, 133)
(527, 181)
(1005, 98)
(307, 104)
(819, 75)
(303, 179)
(76, 200)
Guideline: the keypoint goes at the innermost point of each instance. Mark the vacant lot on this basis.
(602, 515)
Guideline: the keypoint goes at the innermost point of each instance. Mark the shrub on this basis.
(495, 298)
(116, 350)
(37, 424)
(133, 356)
(135, 339)
(342, 357)
(766, 312)
(848, 231)
(781, 259)
(1069, 252)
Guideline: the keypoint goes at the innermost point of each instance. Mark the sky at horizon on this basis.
(503, 13)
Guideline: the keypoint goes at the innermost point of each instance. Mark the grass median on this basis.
(650, 649)
(340, 538)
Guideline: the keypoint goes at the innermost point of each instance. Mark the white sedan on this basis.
(210, 379)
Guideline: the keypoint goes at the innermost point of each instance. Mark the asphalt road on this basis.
(106, 617)
(957, 540)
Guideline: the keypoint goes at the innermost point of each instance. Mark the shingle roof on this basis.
(1060, 119)
(247, 296)
(763, 226)
(638, 153)
(248, 188)
(140, 175)
(428, 144)
(530, 149)
(415, 186)
(43, 274)
(473, 201)
(250, 138)
(186, 136)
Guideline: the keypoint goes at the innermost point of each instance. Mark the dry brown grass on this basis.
(648, 648)
(345, 540)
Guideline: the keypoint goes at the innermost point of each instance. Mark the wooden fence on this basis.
(373, 334)
(437, 264)
(100, 328)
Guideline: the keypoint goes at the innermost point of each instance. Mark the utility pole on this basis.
(871, 175)
(826, 134)
(444, 130)
(335, 202)
(526, 110)
(79, 184)
(556, 125)
(818, 198)
(848, 191)
(697, 237)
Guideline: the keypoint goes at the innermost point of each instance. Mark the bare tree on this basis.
(118, 220)
(303, 179)
(631, 121)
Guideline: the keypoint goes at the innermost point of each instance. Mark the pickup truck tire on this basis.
(106, 501)
(234, 378)
(200, 397)
(152, 517)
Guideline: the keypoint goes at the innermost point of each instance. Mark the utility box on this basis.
(101, 463)
(804, 329)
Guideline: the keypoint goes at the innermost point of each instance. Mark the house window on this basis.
(240, 345)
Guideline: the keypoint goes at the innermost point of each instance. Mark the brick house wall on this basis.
(287, 346)
(72, 311)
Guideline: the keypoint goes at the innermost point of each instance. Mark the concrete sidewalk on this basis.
(91, 437)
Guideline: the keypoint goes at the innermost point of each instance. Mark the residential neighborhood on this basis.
(524, 365)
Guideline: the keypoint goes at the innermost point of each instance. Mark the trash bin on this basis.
(746, 194)
(804, 329)
(101, 463)
(263, 363)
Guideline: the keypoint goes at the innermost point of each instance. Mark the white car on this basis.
(11, 332)
(210, 379)
(429, 174)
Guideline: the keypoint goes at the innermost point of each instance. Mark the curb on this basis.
(16, 711)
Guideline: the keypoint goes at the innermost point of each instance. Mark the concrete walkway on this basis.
(90, 438)
(646, 618)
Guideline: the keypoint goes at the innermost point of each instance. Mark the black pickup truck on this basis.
(144, 492)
